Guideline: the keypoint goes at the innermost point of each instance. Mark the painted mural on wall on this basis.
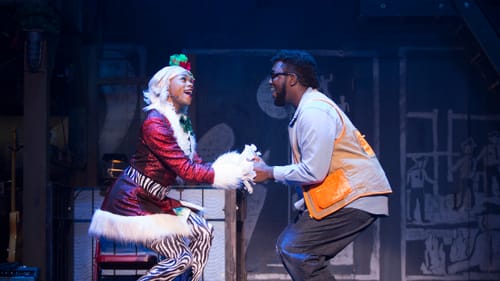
(451, 172)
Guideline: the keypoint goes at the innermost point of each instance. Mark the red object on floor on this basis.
(133, 261)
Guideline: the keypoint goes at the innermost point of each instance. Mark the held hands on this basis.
(262, 171)
(241, 170)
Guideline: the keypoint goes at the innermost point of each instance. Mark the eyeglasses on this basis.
(274, 75)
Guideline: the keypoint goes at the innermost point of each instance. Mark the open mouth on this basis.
(273, 91)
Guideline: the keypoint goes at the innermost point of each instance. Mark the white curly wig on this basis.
(157, 93)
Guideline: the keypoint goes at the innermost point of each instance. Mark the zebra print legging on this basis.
(182, 253)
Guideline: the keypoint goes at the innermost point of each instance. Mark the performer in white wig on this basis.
(137, 207)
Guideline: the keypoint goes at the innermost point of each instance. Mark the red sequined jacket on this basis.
(158, 160)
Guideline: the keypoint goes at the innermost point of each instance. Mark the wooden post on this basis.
(230, 212)
(235, 214)
(240, 236)
(35, 219)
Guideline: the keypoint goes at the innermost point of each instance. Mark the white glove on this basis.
(249, 154)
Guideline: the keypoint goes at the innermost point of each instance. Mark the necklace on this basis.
(186, 124)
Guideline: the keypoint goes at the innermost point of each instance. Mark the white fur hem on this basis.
(136, 228)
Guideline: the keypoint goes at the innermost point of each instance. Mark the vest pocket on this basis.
(333, 189)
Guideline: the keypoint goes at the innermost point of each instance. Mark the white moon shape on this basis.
(216, 141)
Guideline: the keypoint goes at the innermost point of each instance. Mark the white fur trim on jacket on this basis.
(136, 228)
(232, 168)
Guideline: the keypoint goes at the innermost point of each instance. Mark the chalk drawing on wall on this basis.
(324, 82)
(451, 230)
(344, 105)
(489, 156)
(416, 179)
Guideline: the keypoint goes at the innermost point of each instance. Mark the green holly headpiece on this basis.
(180, 60)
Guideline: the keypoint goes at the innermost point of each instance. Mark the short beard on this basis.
(280, 96)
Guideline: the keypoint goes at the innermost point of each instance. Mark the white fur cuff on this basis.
(232, 168)
(227, 172)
